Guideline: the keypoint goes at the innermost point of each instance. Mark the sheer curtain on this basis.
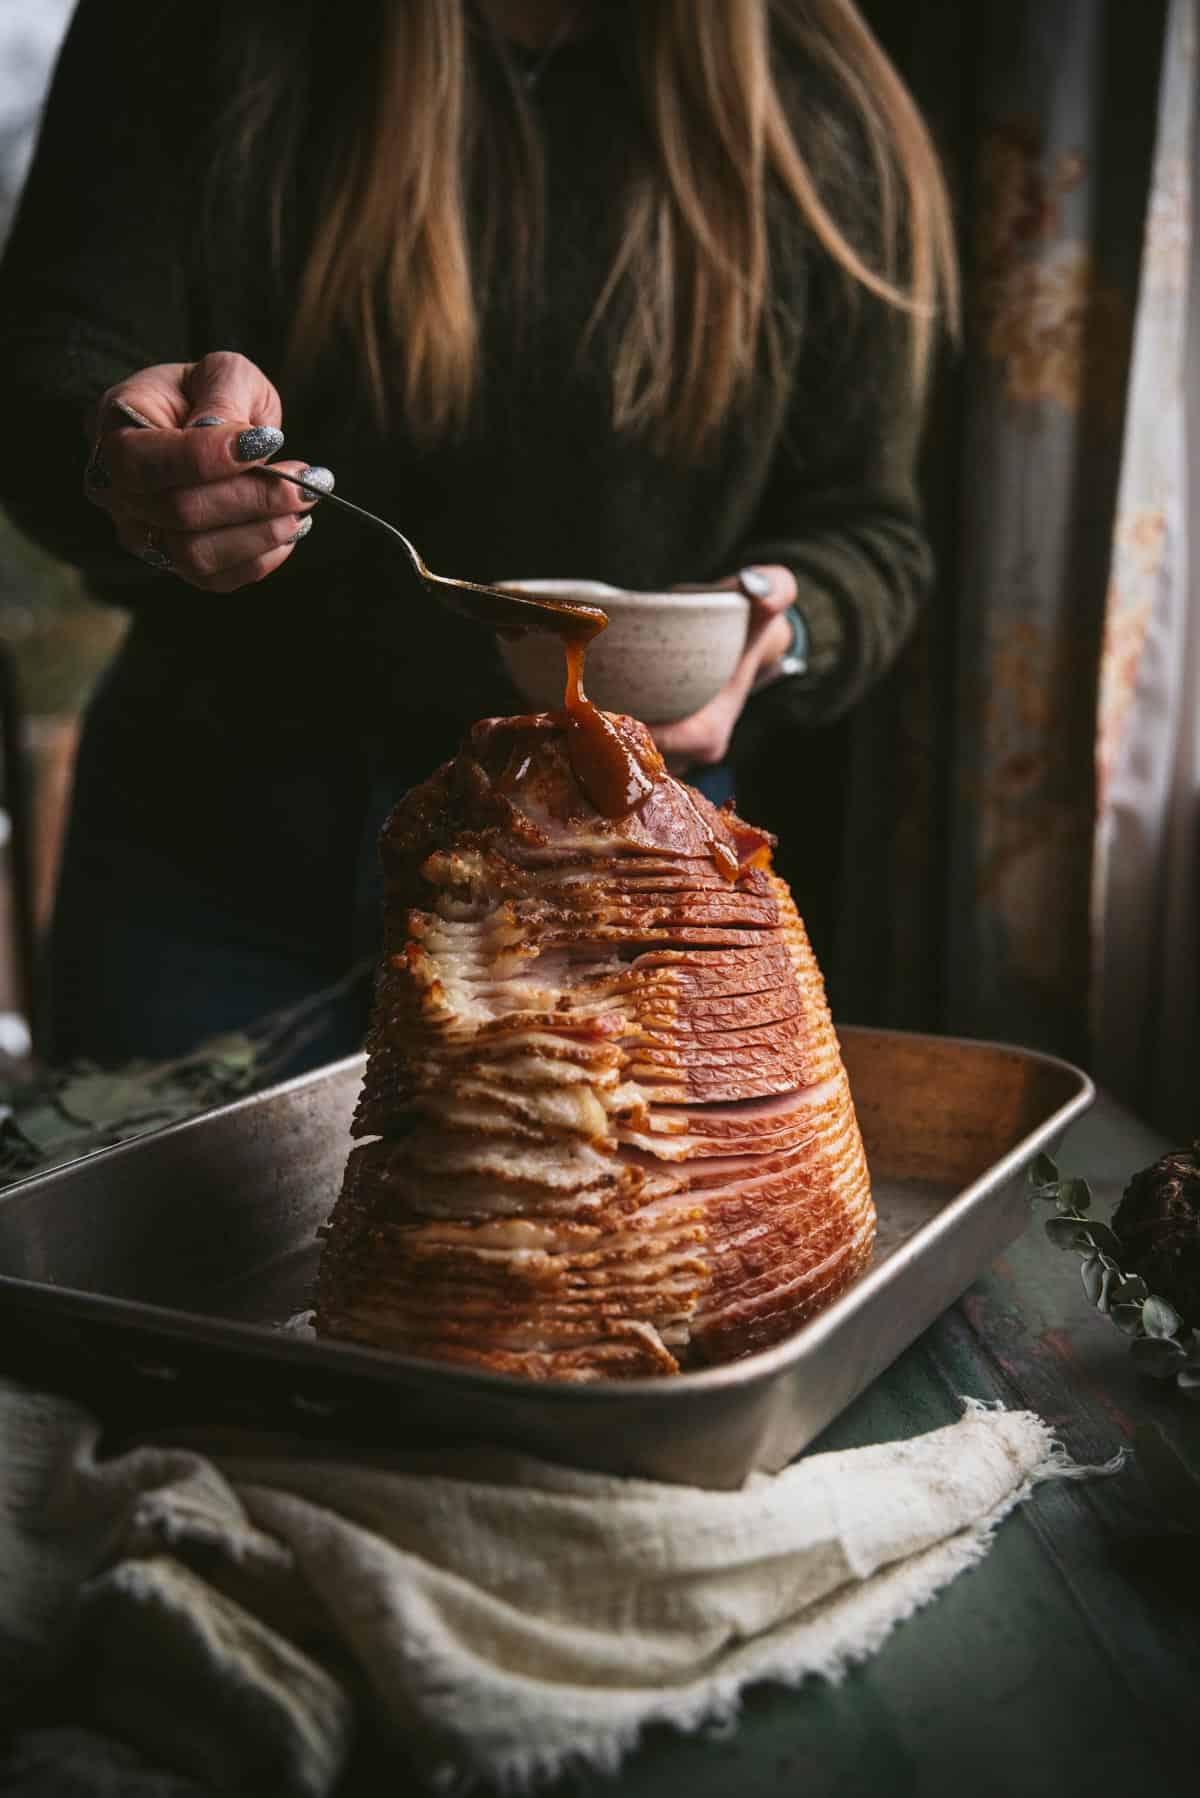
(972, 809)
(1146, 869)
(1022, 817)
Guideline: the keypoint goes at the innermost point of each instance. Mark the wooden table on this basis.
(1068, 1662)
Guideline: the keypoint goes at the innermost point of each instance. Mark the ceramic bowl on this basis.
(663, 656)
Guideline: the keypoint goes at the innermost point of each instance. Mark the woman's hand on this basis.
(173, 465)
(703, 739)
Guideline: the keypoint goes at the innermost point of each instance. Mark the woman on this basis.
(641, 292)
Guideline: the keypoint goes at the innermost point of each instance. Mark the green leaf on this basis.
(1104, 1239)
(1073, 1195)
(1044, 1172)
(1096, 1281)
(1188, 1379)
(1157, 1357)
(1130, 1289)
(1099, 1281)
(1127, 1318)
(1070, 1233)
(1082, 1233)
(1160, 1319)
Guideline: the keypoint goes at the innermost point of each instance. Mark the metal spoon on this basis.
(491, 606)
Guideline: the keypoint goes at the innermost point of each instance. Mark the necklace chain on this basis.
(531, 76)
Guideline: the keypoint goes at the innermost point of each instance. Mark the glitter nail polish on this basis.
(257, 442)
(302, 530)
(316, 476)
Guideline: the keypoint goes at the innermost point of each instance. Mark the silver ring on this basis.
(152, 552)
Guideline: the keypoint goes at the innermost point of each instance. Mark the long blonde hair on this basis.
(391, 261)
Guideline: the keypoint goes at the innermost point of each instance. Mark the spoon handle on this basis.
(335, 499)
(489, 606)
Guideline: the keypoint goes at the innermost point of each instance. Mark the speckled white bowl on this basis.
(663, 656)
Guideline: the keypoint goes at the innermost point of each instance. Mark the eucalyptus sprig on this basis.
(53, 1115)
(1162, 1345)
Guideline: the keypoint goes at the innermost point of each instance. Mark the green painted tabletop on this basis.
(1068, 1661)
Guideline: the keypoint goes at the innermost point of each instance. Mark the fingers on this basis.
(174, 394)
(145, 436)
(248, 573)
(703, 739)
(222, 536)
(173, 465)
(224, 387)
(215, 505)
(769, 640)
(216, 561)
(140, 463)
(770, 587)
(154, 397)
(769, 634)
(244, 574)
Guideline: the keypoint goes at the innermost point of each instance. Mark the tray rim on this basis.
(763, 1365)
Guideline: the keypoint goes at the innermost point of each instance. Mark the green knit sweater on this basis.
(107, 270)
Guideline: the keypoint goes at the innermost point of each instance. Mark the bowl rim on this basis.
(602, 594)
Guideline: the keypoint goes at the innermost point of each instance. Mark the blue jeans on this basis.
(715, 783)
(210, 877)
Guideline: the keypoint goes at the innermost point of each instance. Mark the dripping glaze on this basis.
(606, 763)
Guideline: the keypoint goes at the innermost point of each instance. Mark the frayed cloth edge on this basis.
(717, 1710)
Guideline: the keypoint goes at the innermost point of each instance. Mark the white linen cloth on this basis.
(513, 1618)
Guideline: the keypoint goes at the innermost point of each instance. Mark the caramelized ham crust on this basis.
(611, 1134)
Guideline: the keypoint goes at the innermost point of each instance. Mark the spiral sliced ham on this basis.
(611, 1134)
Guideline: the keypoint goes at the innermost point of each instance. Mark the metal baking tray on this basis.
(153, 1279)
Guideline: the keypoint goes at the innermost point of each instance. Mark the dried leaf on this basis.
(106, 1100)
(45, 1127)
(60, 1114)
(233, 1055)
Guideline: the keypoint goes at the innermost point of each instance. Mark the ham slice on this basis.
(607, 1131)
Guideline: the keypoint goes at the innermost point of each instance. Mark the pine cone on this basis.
(1158, 1223)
